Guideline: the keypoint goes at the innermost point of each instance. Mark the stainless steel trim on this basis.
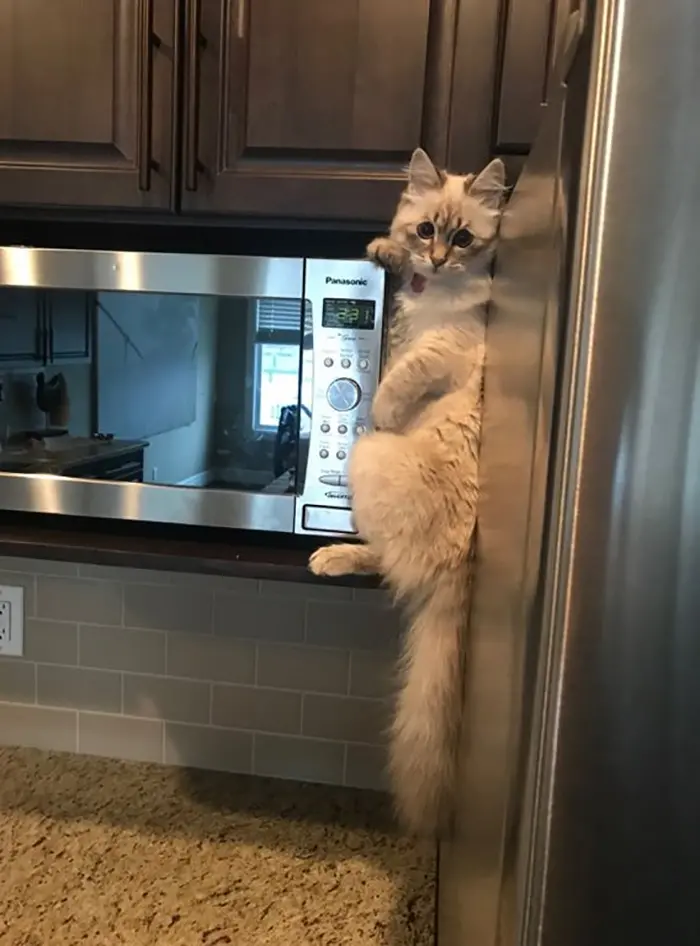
(151, 272)
(143, 502)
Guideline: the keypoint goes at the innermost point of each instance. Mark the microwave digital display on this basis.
(348, 313)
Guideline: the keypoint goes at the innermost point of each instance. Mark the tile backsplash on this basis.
(275, 678)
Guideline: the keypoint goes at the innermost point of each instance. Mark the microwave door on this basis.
(176, 365)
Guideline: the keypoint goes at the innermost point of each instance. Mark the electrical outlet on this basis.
(11, 621)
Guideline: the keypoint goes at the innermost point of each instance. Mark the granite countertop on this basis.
(65, 452)
(113, 852)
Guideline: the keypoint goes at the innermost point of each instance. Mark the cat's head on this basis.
(448, 223)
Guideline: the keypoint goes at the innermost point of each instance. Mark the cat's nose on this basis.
(438, 259)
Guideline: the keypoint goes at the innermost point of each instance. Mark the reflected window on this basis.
(277, 360)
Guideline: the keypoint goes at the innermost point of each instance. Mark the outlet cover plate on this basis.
(11, 621)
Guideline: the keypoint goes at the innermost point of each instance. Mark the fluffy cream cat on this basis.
(414, 479)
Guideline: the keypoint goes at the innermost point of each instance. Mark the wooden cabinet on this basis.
(285, 109)
(20, 326)
(302, 108)
(86, 102)
(68, 321)
(39, 327)
(503, 51)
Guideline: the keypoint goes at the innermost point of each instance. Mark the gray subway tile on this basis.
(366, 767)
(353, 625)
(204, 747)
(165, 698)
(120, 648)
(38, 727)
(37, 566)
(255, 708)
(168, 608)
(378, 597)
(51, 642)
(304, 590)
(270, 617)
(211, 658)
(120, 737)
(299, 667)
(345, 718)
(124, 574)
(17, 680)
(291, 757)
(79, 599)
(79, 688)
(22, 580)
(372, 674)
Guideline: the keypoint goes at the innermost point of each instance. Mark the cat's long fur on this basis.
(414, 479)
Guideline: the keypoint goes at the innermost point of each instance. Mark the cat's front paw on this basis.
(332, 561)
(388, 254)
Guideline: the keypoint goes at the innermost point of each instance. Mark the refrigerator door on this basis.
(617, 855)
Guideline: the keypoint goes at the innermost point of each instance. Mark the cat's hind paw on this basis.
(388, 254)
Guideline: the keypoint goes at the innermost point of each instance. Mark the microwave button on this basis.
(364, 364)
(342, 429)
(341, 454)
(330, 480)
(323, 454)
(328, 362)
(325, 428)
(345, 363)
(343, 394)
(360, 429)
(342, 481)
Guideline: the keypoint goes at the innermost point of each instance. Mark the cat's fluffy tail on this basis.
(426, 725)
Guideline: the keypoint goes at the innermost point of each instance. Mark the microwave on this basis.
(193, 389)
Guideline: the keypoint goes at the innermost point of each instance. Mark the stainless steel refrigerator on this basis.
(579, 810)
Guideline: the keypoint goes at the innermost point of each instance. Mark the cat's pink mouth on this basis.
(418, 282)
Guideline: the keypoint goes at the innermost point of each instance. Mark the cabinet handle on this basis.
(149, 42)
(194, 43)
(240, 20)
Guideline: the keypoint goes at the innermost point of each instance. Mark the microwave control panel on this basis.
(347, 306)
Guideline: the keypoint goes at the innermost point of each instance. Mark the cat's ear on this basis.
(422, 173)
(489, 186)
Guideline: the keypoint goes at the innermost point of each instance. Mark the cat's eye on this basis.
(462, 238)
(425, 230)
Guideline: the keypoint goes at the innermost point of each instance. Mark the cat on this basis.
(413, 479)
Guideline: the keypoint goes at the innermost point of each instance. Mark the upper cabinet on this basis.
(86, 102)
(294, 109)
(502, 55)
(302, 107)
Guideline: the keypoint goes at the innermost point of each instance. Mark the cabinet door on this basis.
(85, 102)
(302, 108)
(502, 54)
(68, 324)
(21, 338)
(524, 73)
